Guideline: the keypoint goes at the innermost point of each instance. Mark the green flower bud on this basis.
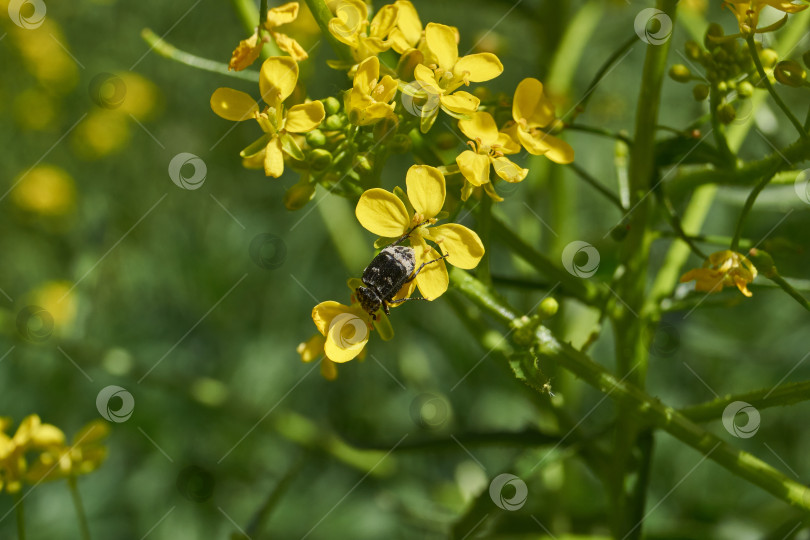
(316, 138)
(331, 105)
(400, 144)
(320, 159)
(548, 308)
(693, 50)
(726, 113)
(334, 122)
(722, 87)
(789, 73)
(768, 57)
(745, 89)
(763, 262)
(362, 164)
(714, 30)
(700, 92)
(299, 195)
(680, 73)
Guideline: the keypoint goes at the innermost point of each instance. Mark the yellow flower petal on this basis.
(367, 74)
(282, 14)
(273, 158)
(463, 245)
(328, 370)
(245, 53)
(47, 435)
(426, 189)
(304, 117)
(311, 349)
(277, 79)
(433, 279)
(233, 105)
(550, 146)
(386, 89)
(461, 102)
(507, 144)
(323, 313)
(426, 78)
(346, 336)
(478, 67)
(441, 40)
(290, 46)
(409, 28)
(508, 170)
(480, 125)
(383, 22)
(474, 167)
(382, 213)
(531, 105)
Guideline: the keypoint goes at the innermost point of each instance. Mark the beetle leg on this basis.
(423, 265)
(407, 234)
(385, 308)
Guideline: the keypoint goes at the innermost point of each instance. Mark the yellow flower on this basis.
(249, 49)
(369, 100)
(747, 11)
(83, 456)
(47, 190)
(408, 30)
(277, 80)
(351, 27)
(312, 349)
(533, 115)
(384, 214)
(345, 331)
(450, 72)
(31, 435)
(721, 269)
(488, 148)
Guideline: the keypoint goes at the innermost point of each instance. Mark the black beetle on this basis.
(386, 274)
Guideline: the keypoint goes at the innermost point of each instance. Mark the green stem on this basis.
(84, 527)
(579, 288)
(788, 288)
(781, 396)
(167, 50)
(256, 525)
(323, 15)
(599, 131)
(249, 15)
(752, 48)
(749, 203)
(19, 514)
(718, 130)
(484, 230)
(650, 410)
(594, 183)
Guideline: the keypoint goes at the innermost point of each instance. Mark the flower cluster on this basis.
(38, 452)
(723, 269)
(747, 12)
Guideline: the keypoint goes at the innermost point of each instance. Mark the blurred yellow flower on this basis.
(278, 77)
(312, 349)
(747, 11)
(83, 456)
(58, 300)
(450, 72)
(344, 330)
(369, 99)
(488, 149)
(35, 109)
(384, 214)
(44, 56)
(101, 133)
(142, 98)
(533, 115)
(31, 435)
(723, 269)
(46, 190)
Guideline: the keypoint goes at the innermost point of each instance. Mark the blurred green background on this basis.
(153, 288)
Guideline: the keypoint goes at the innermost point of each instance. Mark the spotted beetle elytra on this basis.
(385, 275)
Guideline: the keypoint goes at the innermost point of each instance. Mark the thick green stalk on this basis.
(651, 412)
(84, 527)
(630, 330)
(323, 15)
(19, 514)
